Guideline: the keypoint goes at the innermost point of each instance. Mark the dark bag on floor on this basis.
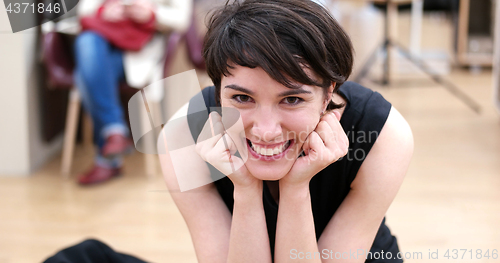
(91, 251)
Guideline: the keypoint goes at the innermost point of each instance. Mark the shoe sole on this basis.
(101, 181)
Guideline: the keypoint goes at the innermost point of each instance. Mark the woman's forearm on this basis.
(295, 234)
(249, 241)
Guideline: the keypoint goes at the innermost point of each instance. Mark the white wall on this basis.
(14, 148)
(22, 150)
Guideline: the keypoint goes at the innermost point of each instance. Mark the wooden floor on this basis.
(450, 198)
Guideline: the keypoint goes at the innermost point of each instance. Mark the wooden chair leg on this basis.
(70, 132)
(87, 133)
(417, 10)
(392, 31)
(151, 160)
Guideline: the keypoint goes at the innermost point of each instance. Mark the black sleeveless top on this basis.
(364, 116)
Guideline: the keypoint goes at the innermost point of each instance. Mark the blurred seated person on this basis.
(101, 66)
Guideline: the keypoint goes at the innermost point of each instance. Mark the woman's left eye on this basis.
(292, 100)
(242, 98)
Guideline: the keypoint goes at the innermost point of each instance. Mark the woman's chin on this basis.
(269, 177)
(271, 170)
(268, 174)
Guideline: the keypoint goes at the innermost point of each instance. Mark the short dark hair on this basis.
(281, 37)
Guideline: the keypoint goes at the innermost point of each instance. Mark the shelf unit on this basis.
(475, 33)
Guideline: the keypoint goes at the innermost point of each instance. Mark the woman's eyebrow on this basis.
(239, 88)
(294, 92)
(282, 94)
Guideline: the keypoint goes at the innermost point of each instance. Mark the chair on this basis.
(58, 60)
(389, 44)
(194, 45)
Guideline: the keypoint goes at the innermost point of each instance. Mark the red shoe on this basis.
(116, 145)
(98, 174)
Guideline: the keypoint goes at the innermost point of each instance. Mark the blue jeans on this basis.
(99, 71)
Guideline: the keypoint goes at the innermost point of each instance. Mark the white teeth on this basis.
(263, 151)
(256, 148)
(270, 151)
(277, 150)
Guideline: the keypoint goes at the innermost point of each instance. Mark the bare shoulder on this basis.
(396, 132)
(181, 165)
(387, 162)
(205, 213)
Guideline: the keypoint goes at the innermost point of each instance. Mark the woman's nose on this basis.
(266, 127)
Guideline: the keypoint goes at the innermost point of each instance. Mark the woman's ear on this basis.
(329, 96)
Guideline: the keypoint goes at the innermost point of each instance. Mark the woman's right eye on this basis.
(242, 98)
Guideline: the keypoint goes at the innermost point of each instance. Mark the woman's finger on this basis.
(316, 146)
(216, 122)
(210, 134)
(212, 128)
(221, 155)
(306, 145)
(340, 138)
(225, 144)
(203, 147)
(332, 119)
(337, 114)
(221, 148)
(325, 132)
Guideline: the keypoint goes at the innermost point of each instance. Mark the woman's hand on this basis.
(140, 11)
(324, 146)
(216, 147)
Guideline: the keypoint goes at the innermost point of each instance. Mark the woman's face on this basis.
(276, 119)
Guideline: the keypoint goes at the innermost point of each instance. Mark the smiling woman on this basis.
(273, 118)
(302, 184)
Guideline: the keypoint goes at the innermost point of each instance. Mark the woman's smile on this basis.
(271, 152)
